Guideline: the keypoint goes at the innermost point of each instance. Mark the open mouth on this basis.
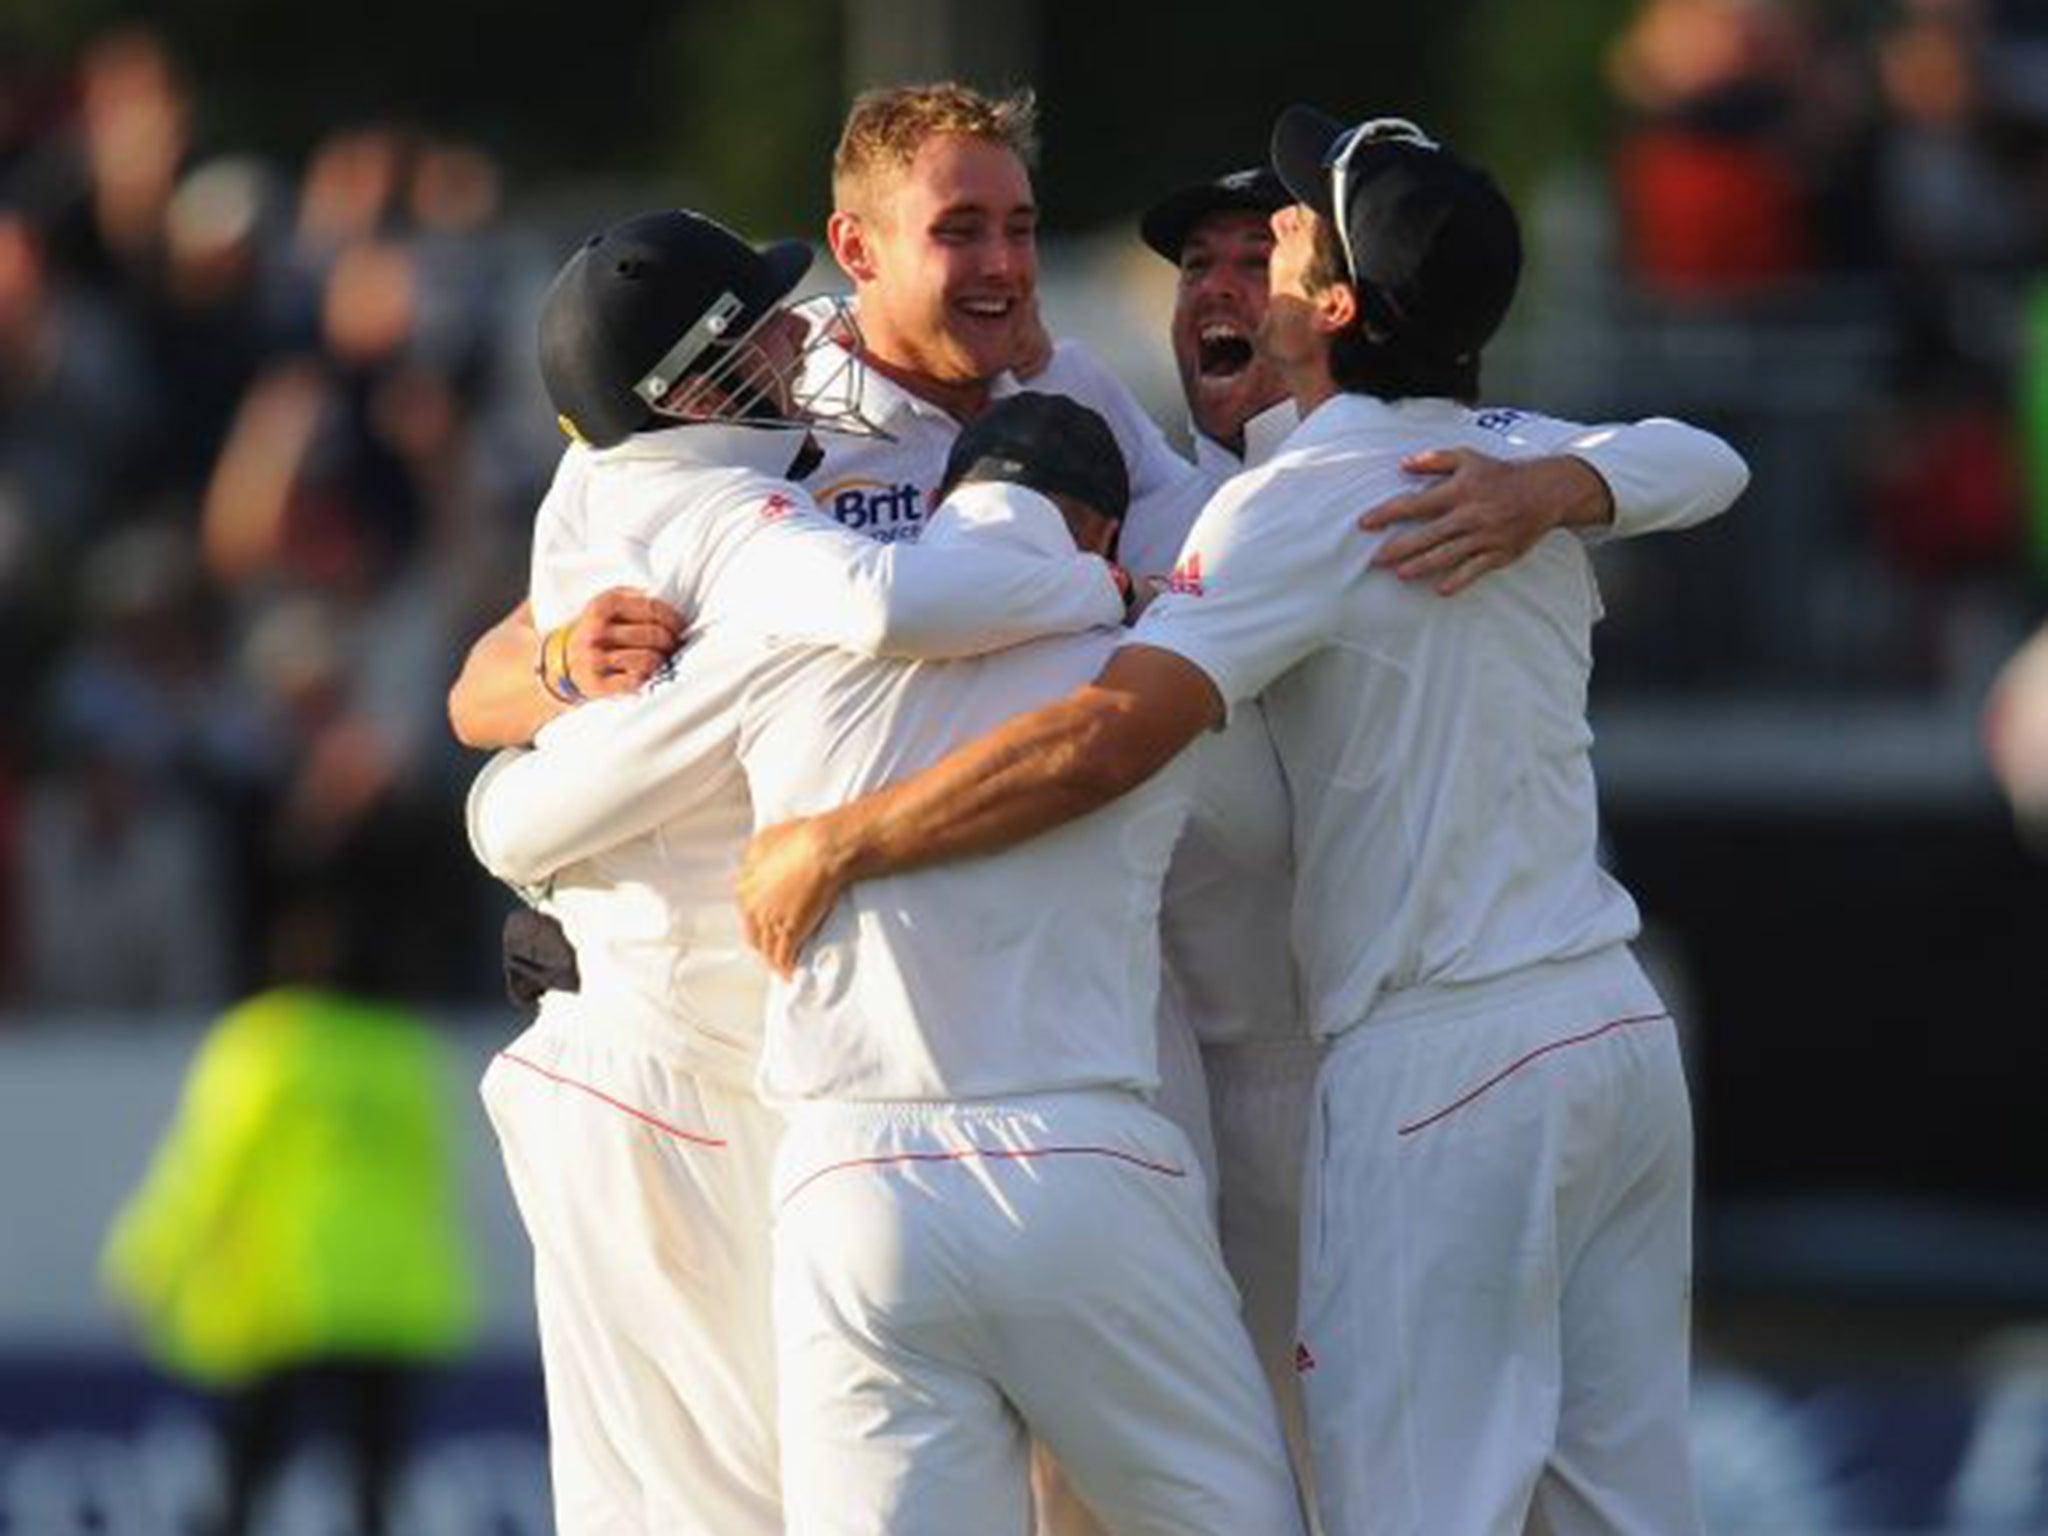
(1222, 351)
(989, 309)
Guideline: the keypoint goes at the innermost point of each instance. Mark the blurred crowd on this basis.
(270, 441)
(259, 479)
(1882, 169)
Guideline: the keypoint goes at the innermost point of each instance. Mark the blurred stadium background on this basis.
(270, 438)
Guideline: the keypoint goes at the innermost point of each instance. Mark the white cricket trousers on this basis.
(951, 1279)
(1262, 1092)
(1496, 1263)
(644, 1188)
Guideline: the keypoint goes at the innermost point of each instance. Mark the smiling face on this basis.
(1216, 313)
(944, 260)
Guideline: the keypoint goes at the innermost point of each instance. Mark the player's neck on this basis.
(962, 399)
(895, 358)
(1310, 386)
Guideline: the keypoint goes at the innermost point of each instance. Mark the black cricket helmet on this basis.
(655, 300)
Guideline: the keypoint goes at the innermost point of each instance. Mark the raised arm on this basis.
(1482, 513)
(805, 578)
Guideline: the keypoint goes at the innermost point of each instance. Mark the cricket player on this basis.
(983, 1228)
(935, 227)
(1229, 897)
(636, 1148)
(1494, 1301)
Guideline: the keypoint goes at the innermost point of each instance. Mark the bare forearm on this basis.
(512, 685)
(498, 701)
(1576, 489)
(1037, 772)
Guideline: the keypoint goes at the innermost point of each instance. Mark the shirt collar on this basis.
(1013, 514)
(1263, 435)
(1350, 417)
(712, 445)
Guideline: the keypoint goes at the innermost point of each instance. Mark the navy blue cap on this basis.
(1434, 247)
(1166, 225)
(1047, 442)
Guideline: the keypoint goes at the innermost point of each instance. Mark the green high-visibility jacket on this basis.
(303, 1204)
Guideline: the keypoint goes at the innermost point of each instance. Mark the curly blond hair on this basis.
(885, 129)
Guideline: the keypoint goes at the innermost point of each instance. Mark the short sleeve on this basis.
(1260, 585)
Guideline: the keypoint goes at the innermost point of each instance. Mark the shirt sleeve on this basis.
(1260, 585)
(802, 577)
(1663, 475)
(613, 770)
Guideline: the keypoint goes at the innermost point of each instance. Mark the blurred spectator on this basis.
(296, 1247)
(121, 896)
(1713, 198)
(211, 318)
(326, 478)
(70, 396)
(106, 169)
(351, 800)
(1945, 482)
(124, 896)
(1959, 169)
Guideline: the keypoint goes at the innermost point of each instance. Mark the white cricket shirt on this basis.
(1436, 749)
(698, 514)
(885, 489)
(1032, 970)
(701, 515)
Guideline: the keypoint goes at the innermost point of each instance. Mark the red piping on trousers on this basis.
(1021, 1155)
(599, 1094)
(1515, 1066)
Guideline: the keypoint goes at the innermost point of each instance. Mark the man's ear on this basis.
(1336, 307)
(847, 235)
(1097, 535)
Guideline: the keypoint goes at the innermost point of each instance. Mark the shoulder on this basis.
(1509, 430)
(1080, 375)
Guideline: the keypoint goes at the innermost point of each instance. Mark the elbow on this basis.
(494, 830)
(463, 724)
(1721, 468)
(1111, 757)
(508, 861)
(1736, 469)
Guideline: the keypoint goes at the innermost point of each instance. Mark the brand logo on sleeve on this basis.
(1304, 1362)
(876, 508)
(1187, 576)
(775, 507)
(1497, 420)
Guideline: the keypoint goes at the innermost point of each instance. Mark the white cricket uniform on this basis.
(636, 1149)
(1494, 1302)
(884, 488)
(984, 1231)
(1229, 895)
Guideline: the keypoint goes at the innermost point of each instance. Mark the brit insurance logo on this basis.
(875, 507)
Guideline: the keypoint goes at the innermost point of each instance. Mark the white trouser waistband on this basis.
(628, 1024)
(1608, 978)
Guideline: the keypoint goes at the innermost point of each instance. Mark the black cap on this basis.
(637, 307)
(1166, 225)
(1435, 247)
(1047, 442)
